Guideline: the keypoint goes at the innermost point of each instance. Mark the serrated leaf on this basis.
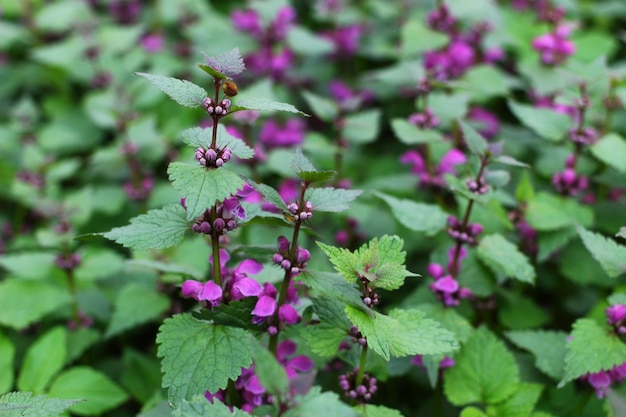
(200, 407)
(371, 410)
(449, 319)
(200, 356)
(331, 199)
(270, 194)
(610, 255)
(409, 134)
(611, 149)
(362, 127)
(322, 107)
(419, 217)
(271, 374)
(157, 229)
(25, 302)
(316, 403)
(29, 265)
(522, 402)
(98, 391)
(324, 338)
(263, 104)
(501, 255)
(300, 163)
(199, 137)
(234, 314)
(475, 142)
(23, 404)
(617, 298)
(181, 91)
(549, 212)
(402, 333)
(43, 360)
(546, 123)
(333, 286)
(202, 187)
(226, 64)
(591, 348)
(7, 356)
(311, 177)
(485, 371)
(134, 305)
(548, 348)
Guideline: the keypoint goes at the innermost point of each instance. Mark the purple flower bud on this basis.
(226, 154)
(207, 102)
(568, 176)
(210, 155)
(277, 258)
(361, 390)
(226, 103)
(219, 224)
(344, 384)
(283, 244)
(196, 228)
(293, 208)
(219, 162)
(367, 301)
(192, 289)
(615, 313)
(272, 330)
(288, 315)
(302, 255)
(295, 270)
(210, 109)
(205, 227)
(308, 205)
(304, 215)
(475, 229)
(202, 161)
(219, 109)
(199, 154)
(435, 270)
(231, 225)
(285, 264)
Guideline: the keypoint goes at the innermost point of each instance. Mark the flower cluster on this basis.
(267, 307)
(464, 234)
(218, 109)
(555, 47)
(282, 257)
(225, 219)
(68, 261)
(425, 119)
(446, 287)
(433, 178)
(212, 158)
(362, 392)
(274, 135)
(601, 381)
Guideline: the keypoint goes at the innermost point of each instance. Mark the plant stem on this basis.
(215, 247)
(71, 283)
(359, 375)
(582, 403)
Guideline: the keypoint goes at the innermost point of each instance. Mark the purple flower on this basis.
(345, 39)
(615, 313)
(600, 381)
(554, 47)
(152, 42)
(490, 126)
(264, 307)
(287, 314)
(247, 21)
(446, 166)
(274, 135)
(296, 364)
(451, 158)
(208, 291)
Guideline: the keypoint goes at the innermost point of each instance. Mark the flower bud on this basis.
(219, 162)
(219, 109)
(283, 244)
(205, 228)
(277, 258)
(302, 255)
(210, 155)
(285, 264)
(219, 224)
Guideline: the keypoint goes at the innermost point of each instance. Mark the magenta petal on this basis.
(288, 315)
(413, 158)
(254, 386)
(249, 266)
(285, 348)
(301, 363)
(247, 287)
(192, 288)
(211, 292)
(265, 306)
(446, 284)
(450, 159)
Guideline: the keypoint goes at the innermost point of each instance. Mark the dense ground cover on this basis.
(331, 207)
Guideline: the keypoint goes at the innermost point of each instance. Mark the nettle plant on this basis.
(236, 351)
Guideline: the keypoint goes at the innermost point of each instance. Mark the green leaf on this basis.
(409, 134)
(483, 82)
(199, 137)
(610, 255)
(183, 92)
(472, 412)
(136, 304)
(518, 312)
(263, 104)
(25, 302)
(224, 65)
(316, 403)
(29, 265)
(78, 341)
(311, 177)
(522, 402)
(270, 194)
(142, 375)
(429, 39)
(300, 163)
(621, 233)
(271, 374)
(371, 410)
(419, 217)
(485, 371)
(322, 107)
(202, 187)
(157, 229)
(7, 356)
(548, 348)
(98, 391)
(592, 348)
(402, 333)
(611, 149)
(508, 160)
(234, 314)
(549, 212)
(475, 142)
(200, 356)
(324, 338)
(524, 191)
(200, 407)
(23, 404)
(450, 319)
(331, 199)
(362, 127)
(306, 43)
(501, 255)
(546, 123)
(43, 360)
(332, 286)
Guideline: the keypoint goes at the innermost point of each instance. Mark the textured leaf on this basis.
(25, 302)
(234, 314)
(409, 134)
(548, 348)
(300, 163)
(202, 187)
(316, 403)
(550, 212)
(199, 137)
(98, 391)
(475, 142)
(270, 194)
(7, 356)
(332, 286)
(271, 374)
(78, 341)
(200, 356)
(402, 333)
(331, 199)
(419, 217)
(311, 177)
(592, 348)
(546, 123)
(181, 91)
(324, 338)
(23, 404)
(322, 107)
(362, 127)
(157, 229)
(262, 104)
(200, 407)
(43, 360)
(501, 255)
(485, 371)
(142, 375)
(449, 319)
(522, 402)
(606, 251)
(508, 160)
(30, 265)
(611, 149)
(371, 410)
(136, 304)
(226, 64)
